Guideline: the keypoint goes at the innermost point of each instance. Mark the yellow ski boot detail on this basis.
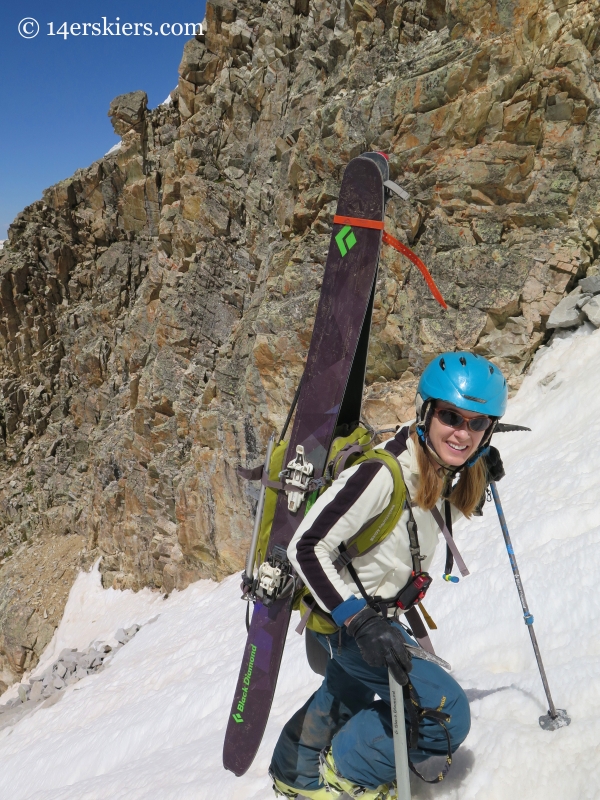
(342, 788)
(283, 790)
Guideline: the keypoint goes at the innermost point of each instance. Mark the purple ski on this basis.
(330, 395)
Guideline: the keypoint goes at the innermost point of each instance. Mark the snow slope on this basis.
(151, 724)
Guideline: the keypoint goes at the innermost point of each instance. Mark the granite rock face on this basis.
(156, 308)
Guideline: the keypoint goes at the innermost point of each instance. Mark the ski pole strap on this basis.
(358, 222)
(406, 251)
(450, 541)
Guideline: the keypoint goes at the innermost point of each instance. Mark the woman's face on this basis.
(454, 445)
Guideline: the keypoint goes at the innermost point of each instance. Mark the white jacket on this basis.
(357, 496)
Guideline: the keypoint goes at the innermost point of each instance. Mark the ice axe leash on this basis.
(556, 717)
(400, 746)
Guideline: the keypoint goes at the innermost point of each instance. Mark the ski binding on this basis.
(297, 476)
(274, 577)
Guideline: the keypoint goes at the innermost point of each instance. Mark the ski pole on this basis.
(400, 747)
(555, 718)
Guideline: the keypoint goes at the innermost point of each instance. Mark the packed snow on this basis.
(115, 148)
(151, 724)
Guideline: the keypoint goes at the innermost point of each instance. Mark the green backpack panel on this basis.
(346, 451)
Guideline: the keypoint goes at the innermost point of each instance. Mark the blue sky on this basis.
(55, 92)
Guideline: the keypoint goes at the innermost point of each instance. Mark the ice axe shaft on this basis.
(258, 516)
(556, 718)
(400, 746)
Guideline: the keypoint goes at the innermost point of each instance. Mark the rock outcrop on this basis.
(70, 667)
(156, 308)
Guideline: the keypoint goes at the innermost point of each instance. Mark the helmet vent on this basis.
(442, 363)
(474, 399)
(463, 361)
(491, 370)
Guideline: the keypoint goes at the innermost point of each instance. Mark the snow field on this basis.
(551, 500)
(151, 724)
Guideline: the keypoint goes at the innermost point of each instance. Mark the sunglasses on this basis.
(455, 420)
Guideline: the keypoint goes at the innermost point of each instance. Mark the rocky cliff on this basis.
(156, 308)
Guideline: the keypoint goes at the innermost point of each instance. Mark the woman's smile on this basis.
(454, 445)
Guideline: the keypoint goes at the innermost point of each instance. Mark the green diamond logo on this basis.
(345, 240)
(237, 717)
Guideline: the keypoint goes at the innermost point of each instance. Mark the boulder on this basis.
(36, 689)
(591, 311)
(591, 285)
(127, 111)
(566, 314)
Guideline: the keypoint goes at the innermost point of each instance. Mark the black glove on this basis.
(494, 465)
(494, 469)
(380, 644)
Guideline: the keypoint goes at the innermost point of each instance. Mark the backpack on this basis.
(349, 448)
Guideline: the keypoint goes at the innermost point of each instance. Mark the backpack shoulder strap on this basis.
(376, 530)
(397, 445)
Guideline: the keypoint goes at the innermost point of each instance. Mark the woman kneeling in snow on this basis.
(340, 743)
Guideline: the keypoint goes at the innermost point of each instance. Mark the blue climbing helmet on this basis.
(466, 381)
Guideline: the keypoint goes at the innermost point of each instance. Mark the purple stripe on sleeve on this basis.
(397, 445)
(305, 551)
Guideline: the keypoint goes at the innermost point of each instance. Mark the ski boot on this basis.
(335, 786)
(283, 790)
(343, 789)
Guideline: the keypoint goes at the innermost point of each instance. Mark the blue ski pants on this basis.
(343, 713)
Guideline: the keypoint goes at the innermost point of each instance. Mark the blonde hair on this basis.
(466, 494)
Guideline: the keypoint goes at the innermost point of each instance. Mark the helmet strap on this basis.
(426, 414)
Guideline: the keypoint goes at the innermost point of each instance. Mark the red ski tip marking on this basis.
(358, 222)
(385, 155)
(406, 251)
